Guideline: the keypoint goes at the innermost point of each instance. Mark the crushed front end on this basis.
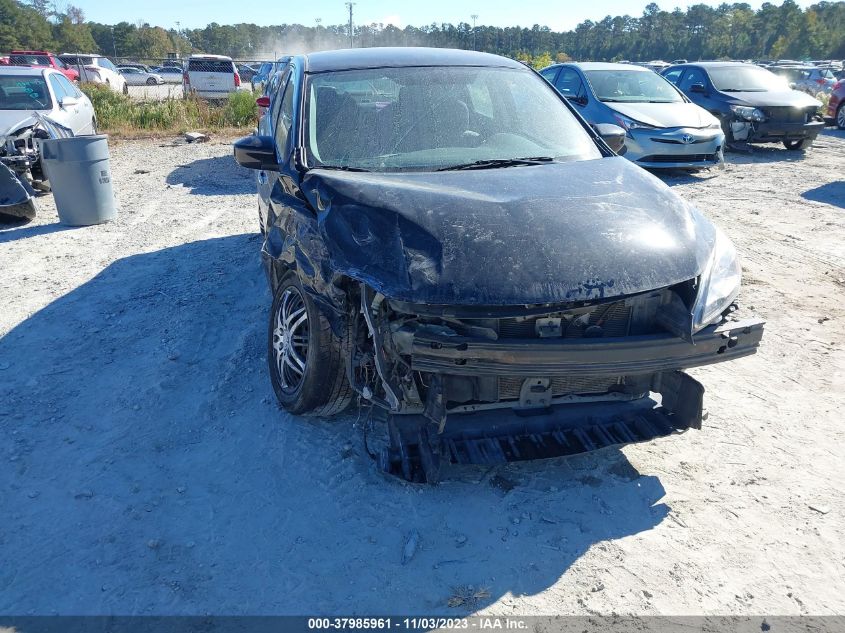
(470, 384)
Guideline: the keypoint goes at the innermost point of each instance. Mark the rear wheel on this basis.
(840, 116)
(307, 361)
(798, 145)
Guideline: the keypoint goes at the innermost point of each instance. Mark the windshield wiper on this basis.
(492, 163)
(744, 90)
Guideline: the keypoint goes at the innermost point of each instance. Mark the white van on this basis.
(210, 77)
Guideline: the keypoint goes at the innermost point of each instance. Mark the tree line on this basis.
(728, 31)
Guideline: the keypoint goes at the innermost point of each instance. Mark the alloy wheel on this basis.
(290, 339)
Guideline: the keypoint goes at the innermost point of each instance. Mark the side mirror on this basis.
(68, 102)
(263, 102)
(699, 88)
(256, 152)
(613, 135)
(792, 85)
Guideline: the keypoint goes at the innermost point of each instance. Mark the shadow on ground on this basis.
(20, 230)
(832, 193)
(147, 470)
(213, 177)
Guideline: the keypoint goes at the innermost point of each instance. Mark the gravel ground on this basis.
(145, 468)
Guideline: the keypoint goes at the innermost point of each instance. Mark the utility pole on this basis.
(474, 18)
(349, 6)
(113, 44)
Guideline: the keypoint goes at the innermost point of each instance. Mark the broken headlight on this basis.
(719, 283)
(748, 114)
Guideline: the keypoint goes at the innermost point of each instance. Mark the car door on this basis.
(571, 85)
(67, 114)
(276, 123)
(708, 98)
(84, 109)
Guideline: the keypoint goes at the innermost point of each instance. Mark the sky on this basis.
(560, 15)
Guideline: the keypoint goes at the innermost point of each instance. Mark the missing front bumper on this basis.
(417, 453)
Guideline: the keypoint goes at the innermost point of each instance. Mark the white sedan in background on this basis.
(137, 77)
(25, 90)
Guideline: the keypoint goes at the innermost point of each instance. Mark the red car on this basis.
(835, 114)
(42, 59)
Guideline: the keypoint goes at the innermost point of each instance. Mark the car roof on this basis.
(720, 64)
(24, 71)
(607, 66)
(204, 56)
(381, 57)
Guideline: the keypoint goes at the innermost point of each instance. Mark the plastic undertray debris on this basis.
(416, 452)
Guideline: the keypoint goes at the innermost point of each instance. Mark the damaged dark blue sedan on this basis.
(449, 242)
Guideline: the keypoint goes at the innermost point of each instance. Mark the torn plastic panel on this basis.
(16, 195)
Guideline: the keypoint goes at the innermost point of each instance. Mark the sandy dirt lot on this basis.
(145, 467)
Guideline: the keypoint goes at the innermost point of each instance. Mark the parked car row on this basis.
(686, 116)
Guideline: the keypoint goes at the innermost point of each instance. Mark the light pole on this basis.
(349, 6)
(474, 18)
(113, 45)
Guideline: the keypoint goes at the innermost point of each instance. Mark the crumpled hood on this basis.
(666, 114)
(13, 120)
(519, 235)
(773, 99)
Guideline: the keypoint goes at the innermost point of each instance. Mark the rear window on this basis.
(29, 60)
(24, 93)
(211, 66)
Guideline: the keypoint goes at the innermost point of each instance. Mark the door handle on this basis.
(262, 177)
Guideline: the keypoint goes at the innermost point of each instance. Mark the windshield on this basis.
(424, 119)
(631, 86)
(745, 79)
(24, 93)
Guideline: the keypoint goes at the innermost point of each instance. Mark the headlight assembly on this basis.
(719, 284)
(629, 124)
(747, 113)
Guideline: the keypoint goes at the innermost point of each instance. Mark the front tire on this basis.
(307, 361)
(152, 82)
(798, 145)
(840, 116)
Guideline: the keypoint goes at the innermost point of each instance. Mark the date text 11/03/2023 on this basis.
(480, 623)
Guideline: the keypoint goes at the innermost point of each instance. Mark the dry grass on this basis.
(119, 115)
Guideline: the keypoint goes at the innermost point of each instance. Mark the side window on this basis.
(674, 75)
(58, 89)
(569, 83)
(549, 74)
(69, 88)
(285, 119)
(693, 76)
(276, 90)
